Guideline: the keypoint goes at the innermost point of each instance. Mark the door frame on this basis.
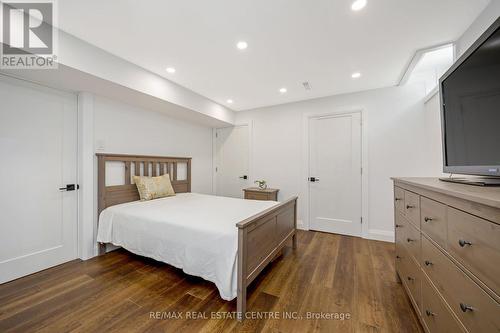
(214, 151)
(364, 158)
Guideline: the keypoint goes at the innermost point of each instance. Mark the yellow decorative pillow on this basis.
(154, 187)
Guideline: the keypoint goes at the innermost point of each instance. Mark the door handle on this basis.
(465, 307)
(462, 243)
(244, 177)
(70, 187)
(313, 179)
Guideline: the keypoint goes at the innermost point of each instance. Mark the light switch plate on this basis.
(100, 145)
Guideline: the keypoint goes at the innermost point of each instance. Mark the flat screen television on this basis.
(470, 110)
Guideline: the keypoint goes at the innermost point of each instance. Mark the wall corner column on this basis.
(86, 203)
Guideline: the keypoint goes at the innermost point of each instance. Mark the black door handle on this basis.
(313, 179)
(462, 243)
(70, 187)
(465, 307)
(244, 177)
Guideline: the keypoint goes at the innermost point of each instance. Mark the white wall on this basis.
(395, 144)
(122, 128)
(433, 136)
(483, 21)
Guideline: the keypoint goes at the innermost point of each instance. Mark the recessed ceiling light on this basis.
(358, 5)
(229, 101)
(170, 70)
(283, 90)
(242, 45)
(356, 75)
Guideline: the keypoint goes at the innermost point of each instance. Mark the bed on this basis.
(227, 241)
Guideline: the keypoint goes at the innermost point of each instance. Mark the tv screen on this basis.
(470, 96)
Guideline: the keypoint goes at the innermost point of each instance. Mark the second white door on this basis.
(232, 160)
(335, 173)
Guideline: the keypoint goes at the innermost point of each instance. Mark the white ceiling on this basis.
(289, 41)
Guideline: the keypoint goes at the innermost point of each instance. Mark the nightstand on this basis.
(255, 193)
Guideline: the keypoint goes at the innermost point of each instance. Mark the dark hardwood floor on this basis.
(328, 275)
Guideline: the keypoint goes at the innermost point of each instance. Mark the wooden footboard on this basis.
(260, 238)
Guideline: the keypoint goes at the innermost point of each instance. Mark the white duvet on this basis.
(194, 232)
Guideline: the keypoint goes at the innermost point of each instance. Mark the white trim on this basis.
(250, 149)
(364, 165)
(214, 161)
(301, 226)
(380, 235)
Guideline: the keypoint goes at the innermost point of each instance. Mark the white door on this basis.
(232, 160)
(38, 153)
(335, 174)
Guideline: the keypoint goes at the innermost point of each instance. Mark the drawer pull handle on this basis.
(429, 313)
(410, 278)
(398, 199)
(410, 240)
(465, 307)
(427, 263)
(398, 225)
(428, 219)
(409, 206)
(462, 243)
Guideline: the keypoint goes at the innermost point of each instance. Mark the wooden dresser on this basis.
(255, 193)
(448, 253)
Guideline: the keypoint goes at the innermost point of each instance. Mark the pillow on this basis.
(154, 187)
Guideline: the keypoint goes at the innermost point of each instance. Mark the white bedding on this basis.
(194, 232)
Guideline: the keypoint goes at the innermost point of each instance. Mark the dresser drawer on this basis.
(476, 310)
(435, 313)
(482, 256)
(412, 241)
(433, 220)
(256, 196)
(399, 199)
(412, 208)
(411, 277)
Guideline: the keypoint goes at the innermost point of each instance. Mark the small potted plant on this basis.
(261, 183)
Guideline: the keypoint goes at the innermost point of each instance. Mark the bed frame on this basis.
(260, 237)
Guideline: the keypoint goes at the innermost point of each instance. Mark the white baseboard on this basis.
(301, 226)
(374, 234)
(380, 235)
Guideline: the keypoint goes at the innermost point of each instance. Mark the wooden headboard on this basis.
(139, 165)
